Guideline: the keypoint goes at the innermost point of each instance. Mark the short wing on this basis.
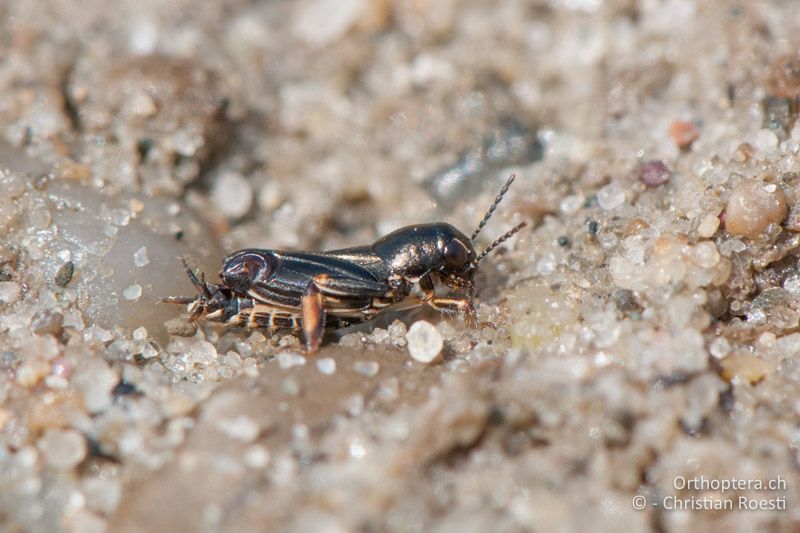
(347, 286)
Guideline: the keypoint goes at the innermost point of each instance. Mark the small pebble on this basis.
(31, 371)
(367, 368)
(792, 284)
(9, 292)
(704, 254)
(242, 428)
(102, 494)
(753, 206)
(98, 334)
(625, 300)
(64, 274)
(424, 342)
(136, 206)
(180, 327)
(148, 352)
(41, 181)
(85, 522)
(397, 333)
(765, 140)
(321, 22)
(270, 197)
(256, 456)
(133, 292)
(94, 379)
(11, 184)
(287, 360)
(708, 226)
(202, 350)
(546, 265)
(745, 367)
(326, 365)
(61, 367)
(142, 105)
(571, 204)
(720, 347)
(744, 152)
(47, 322)
(291, 387)
(62, 449)
(654, 173)
(379, 336)
(611, 196)
(232, 194)
(40, 218)
(683, 133)
(140, 258)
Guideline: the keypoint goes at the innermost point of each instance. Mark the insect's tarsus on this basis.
(491, 210)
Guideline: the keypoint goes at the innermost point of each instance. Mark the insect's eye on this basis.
(455, 253)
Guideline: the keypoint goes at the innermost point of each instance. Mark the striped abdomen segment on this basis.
(276, 319)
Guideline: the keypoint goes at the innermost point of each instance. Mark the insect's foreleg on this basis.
(459, 305)
(312, 311)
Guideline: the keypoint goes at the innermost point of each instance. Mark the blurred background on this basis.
(647, 326)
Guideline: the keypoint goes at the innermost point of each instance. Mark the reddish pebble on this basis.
(683, 133)
(654, 173)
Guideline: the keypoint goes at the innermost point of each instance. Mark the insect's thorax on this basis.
(411, 252)
(422, 249)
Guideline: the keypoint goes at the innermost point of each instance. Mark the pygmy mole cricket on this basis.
(308, 292)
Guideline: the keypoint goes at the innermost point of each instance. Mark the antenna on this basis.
(497, 242)
(200, 283)
(491, 210)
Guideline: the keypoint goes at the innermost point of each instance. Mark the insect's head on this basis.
(456, 254)
(210, 304)
(459, 258)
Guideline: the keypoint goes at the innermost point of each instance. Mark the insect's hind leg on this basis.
(312, 312)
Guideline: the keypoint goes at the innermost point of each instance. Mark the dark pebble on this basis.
(124, 388)
(41, 181)
(625, 300)
(779, 114)
(64, 274)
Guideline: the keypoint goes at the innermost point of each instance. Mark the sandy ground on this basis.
(644, 365)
